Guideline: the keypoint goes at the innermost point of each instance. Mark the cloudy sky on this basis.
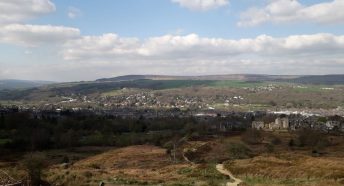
(71, 40)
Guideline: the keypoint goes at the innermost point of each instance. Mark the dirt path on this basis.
(222, 170)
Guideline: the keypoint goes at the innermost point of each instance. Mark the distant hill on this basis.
(33, 90)
(238, 77)
(319, 80)
(302, 79)
(21, 84)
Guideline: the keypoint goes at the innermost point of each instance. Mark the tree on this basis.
(34, 165)
(2, 120)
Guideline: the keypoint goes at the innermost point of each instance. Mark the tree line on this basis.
(24, 131)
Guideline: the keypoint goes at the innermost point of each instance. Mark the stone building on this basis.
(258, 125)
(279, 124)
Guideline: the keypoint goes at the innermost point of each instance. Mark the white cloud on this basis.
(91, 57)
(194, 47)
(34, 35)
(110, 55)
(280, 11)
(95, 69)
(201, 5)
(74, 12)
(27, 52)
(107, 45)
(14, 11)
(13, 31)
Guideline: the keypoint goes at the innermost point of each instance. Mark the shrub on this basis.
(291, 143)
(87, 174)
(313, 139)
(270, 147)
(94, 166)
(252, 136)
(238, 151)
(34, 165)
(275, 140)
(65, 159)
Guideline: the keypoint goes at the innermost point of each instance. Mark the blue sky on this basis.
(149, 18)
(88, 39)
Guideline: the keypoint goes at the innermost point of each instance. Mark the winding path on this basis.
(222, 170)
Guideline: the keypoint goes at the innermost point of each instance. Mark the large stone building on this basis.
(281, 123)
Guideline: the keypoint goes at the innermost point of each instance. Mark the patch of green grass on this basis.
(169, 84)
(236, 84)
(206, 173)
(185, 170)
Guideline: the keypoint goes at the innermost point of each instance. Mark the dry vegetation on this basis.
(286, 165)
(132, 165)
(290, 169)
(271, 161)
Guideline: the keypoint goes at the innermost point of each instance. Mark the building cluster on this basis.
(297, 122)
(280, 123)
(147, 99)
(267, 88)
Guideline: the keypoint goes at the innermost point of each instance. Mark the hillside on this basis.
(302, 79)
(21, 84)
(320, 80)
(262, 91)
(237, 77)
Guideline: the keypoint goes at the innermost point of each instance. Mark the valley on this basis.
(174, 131)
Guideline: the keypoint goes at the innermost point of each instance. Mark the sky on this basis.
(74, 40)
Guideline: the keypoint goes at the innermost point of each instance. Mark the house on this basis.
(258, 125)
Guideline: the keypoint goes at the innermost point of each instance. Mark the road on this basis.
(222, 170)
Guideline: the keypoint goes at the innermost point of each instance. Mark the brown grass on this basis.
(136, 164)
(290, 166)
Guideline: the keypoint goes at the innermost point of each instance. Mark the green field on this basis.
(237, 84)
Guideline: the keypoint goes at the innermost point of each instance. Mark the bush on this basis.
(238, 151)
(65, 159)
(291, 143)
(313, 139)
(270, 147)
(275, 140)
(252, 136)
